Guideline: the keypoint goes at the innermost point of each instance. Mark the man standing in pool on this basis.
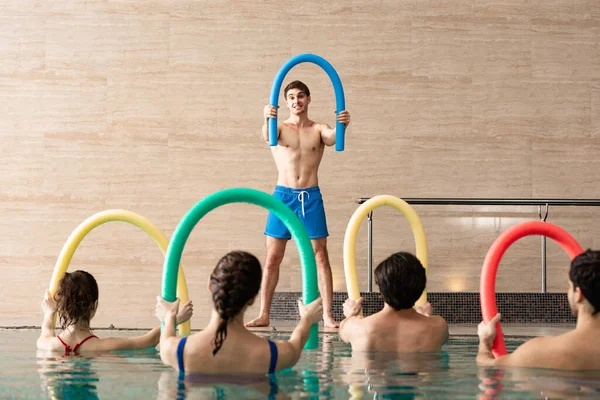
(301, 143)
(578, 349)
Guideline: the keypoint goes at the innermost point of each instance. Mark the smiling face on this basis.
(297, 97)
(297, 101)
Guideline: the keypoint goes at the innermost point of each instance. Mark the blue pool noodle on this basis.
(340, 102)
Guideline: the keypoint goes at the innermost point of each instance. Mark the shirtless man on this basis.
(578, 349)
(399, 327)
(297, 156)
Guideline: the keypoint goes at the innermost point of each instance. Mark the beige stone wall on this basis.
(152, 105)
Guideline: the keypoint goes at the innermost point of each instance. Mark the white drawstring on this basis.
(301, 199)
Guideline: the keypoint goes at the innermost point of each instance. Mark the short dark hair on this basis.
(401, 279)
(296, 85)
(585, 274)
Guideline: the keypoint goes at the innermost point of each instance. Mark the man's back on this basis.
(576, 350)
(397, 331)
(398, 327)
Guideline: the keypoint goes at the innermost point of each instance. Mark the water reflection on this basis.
(391, 375)
(67, 377)
(538, 383)
(203, 386)
(332, 371)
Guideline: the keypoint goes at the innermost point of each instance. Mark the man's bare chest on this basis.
(304, 139)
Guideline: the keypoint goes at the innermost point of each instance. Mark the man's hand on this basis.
(487, 332)
(344, 117)
(185, 312)
(270, 112)
(352, 308)
(425, 309)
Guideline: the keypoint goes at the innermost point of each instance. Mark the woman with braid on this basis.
(225, 346)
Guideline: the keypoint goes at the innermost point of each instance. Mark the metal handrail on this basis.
(481, 202)
(496, 201)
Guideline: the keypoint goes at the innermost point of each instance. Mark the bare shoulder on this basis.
(539, 343)
(282, 125)
(533, 353)
(49, 344)
(437, 322)
(104, 344)
(353, 327)
(364, 323)
(321, 126)
(439, 325)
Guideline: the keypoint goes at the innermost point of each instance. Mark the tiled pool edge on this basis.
(456, 308)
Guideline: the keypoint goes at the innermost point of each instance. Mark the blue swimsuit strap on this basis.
(180, 347)
(272, 364)
(274, 356)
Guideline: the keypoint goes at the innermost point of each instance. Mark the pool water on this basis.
(331, 372)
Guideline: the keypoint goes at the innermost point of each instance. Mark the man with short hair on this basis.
(301, 143)
(578, 349)
(399, 327)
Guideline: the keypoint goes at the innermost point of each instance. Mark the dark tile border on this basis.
(550, 308)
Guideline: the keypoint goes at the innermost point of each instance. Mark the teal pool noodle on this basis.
(340, 102)
(310, 291)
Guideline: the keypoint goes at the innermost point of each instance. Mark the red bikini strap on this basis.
(83, 341)
(67, 347)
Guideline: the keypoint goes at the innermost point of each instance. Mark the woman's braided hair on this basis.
(233, 283)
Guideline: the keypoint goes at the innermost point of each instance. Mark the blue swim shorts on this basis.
(307, 204)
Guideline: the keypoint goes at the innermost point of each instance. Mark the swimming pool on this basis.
(332, 371)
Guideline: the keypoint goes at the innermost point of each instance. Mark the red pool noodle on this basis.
(494, 255)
